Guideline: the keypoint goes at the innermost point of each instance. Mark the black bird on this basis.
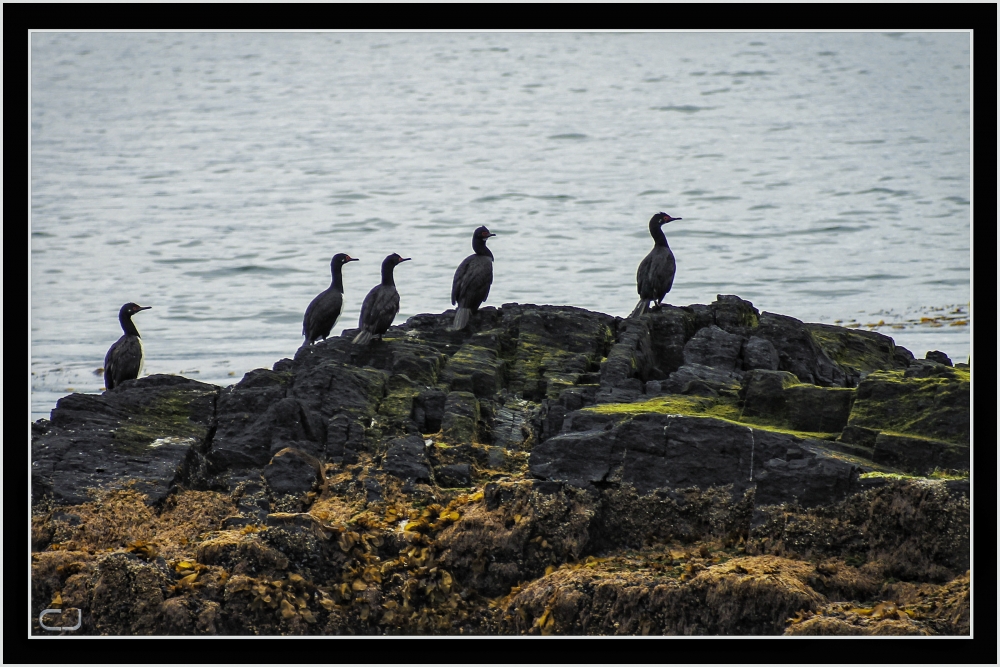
(124, 360)
(324, 310)
(473, 278)
(381, 305)
(656, 271)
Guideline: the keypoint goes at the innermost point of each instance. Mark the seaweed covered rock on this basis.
(703, 469)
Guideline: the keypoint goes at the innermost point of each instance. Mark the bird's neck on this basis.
(659, 238)
(387, 276)
(128, 326)
(338, 279)
(479, 247)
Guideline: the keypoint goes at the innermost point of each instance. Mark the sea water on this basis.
(212, 176)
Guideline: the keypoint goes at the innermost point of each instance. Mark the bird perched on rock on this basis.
(473, 278)
(381, 305)
(124, 360)
(324, 310)
(656, 271)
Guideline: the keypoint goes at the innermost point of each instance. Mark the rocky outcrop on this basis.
(914, 420)
(153, 431)
(396, 487)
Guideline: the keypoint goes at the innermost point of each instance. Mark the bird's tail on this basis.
(461, 318)
(640, 308)
(363, 337)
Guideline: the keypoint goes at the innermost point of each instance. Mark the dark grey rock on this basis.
(778, 395)
(674, 451)
(670, 328)
(858, 352)
(815, 478)
(512, 423)
(714, 347)
(919, 455)
(578, 397)
(497, 457)
(631, 358)
(580, 458)
(819, 409)
(764, 393)
(653, 451)
(735, 315)
(373, 490)
(556, 346)
(453, 476)
(428, 409)
(345, 437)
(760, 353)
(151, 431)
(859, 436)
(620, 394)
(291, 471)
(245, 414)
(798, 352)
(939, 357)
(461, 416)
(406, 459)
(699, 380)
(552, 421)
(586, 420)
(927, 368)
(476, 367)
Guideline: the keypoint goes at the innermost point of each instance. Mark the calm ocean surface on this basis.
(211, 176)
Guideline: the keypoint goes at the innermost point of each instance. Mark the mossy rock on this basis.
(859, 352)
(722, 407)
(174, 415)
(476, 369)
(936, 407)
(779, 397)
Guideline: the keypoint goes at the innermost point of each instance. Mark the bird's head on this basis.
(482, 233)
(130, 309)
(394, 259)
(342, 258)
(662, 218)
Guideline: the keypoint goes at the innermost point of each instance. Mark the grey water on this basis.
(212, 176)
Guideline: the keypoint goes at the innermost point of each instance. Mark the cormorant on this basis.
(324, 310)
(656, 271)
(124, 360)
(473, 278)
(381, 304)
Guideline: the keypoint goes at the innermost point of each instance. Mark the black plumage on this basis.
(124, 360)
(473, 279)
(656, 271)
(323, 311)
(381, 305)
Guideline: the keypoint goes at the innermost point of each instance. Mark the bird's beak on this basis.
(405, 259)
(492, 234)
(672, 219)
(144, 308)
(352, 259)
